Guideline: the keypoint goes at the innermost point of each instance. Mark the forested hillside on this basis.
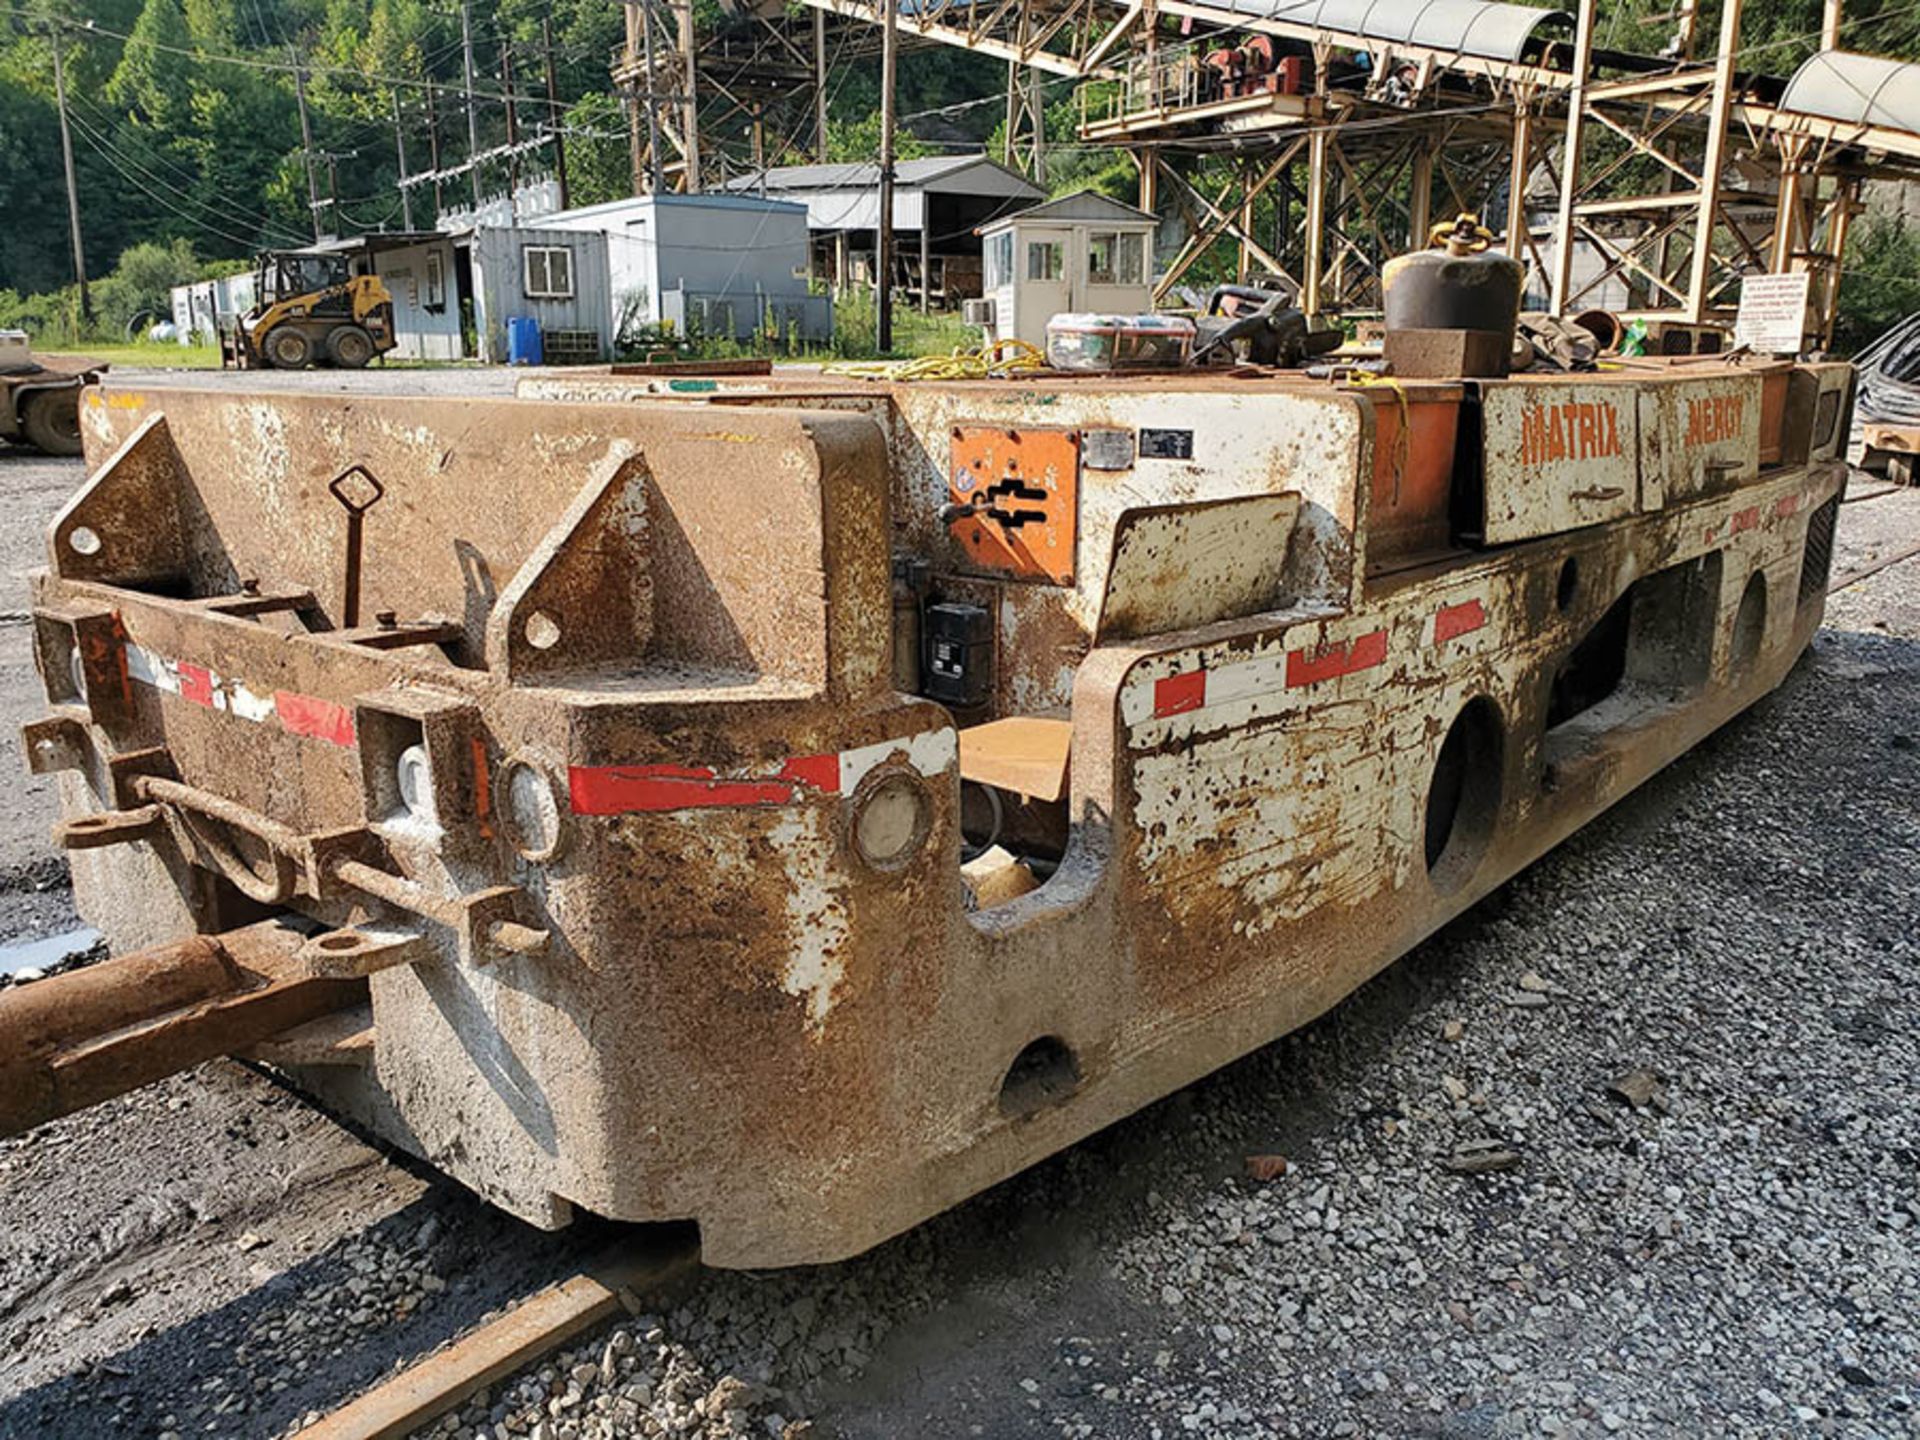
(187, 142)
(186, 129)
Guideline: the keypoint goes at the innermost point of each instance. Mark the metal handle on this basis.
(195, 807)
(356, 513)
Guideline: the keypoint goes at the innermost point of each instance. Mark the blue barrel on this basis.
(523, 341)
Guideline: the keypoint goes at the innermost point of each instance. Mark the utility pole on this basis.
(1037, 116)
(400, 154)
(656, 168)
(883, 236)
(691, 113)
(306, 143)
(473, 117)
(820, 86)
(433, 151)
(73, 194)
(333, 190)
(513, 133)
(555, 116)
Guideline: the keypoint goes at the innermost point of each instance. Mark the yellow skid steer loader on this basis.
(310, 309)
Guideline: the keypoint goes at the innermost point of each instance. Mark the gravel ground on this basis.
(1736, 1255)
(1730, 1251)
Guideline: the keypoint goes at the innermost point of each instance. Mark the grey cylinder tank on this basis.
(1459, 288)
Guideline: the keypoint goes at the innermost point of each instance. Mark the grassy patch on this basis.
(153, 356)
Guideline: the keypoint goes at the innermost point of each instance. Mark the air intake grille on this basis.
(1817, 561)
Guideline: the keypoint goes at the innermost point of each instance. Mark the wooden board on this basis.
(1026, 754)
(537, 1326)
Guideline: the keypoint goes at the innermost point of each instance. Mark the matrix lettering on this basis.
(1573, 430)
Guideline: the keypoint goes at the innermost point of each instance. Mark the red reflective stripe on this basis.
(1786, 505)
(1305, 667)
(1746, 519)
(311, 716)
(1452, 621)
(629, 789)
(1177, 694)
(818, 772)
(196, 684)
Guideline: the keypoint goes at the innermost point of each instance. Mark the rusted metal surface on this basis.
(79, 1038)
(1177, 567)
(358, 490)
(653, 874)
(1415, 448)
(743, 366)
(1699, 436)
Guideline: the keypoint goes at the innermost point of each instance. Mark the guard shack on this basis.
(1082, 252)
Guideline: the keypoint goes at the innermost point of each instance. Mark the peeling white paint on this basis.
(930, 752)
(818, 931)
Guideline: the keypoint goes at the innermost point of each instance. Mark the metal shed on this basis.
(938, 204)
(421, 272)
(557, 277)
(706, 264)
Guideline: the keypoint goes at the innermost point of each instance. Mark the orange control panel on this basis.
(1014, 500)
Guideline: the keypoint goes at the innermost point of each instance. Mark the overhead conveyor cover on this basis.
(1485, 28)
(1857, 89)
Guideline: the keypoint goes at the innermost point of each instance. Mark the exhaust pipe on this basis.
(77, 1039)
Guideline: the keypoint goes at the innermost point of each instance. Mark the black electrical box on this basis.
(959, 653)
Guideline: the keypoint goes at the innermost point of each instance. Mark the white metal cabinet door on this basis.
(1558, 455)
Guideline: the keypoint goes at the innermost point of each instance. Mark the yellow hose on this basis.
(996, 359)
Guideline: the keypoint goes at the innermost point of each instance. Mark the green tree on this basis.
(155, 75)
(1881, 281)
(598, 165)
(850, 141)
(139, 284)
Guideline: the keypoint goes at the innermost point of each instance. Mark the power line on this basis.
(243, 241)
(101, 138)
(152, 162)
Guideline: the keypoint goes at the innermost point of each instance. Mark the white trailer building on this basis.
(706, 264)
(1083, 252)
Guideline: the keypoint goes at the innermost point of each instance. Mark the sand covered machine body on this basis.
(597, 768)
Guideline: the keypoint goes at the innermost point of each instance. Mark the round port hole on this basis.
(1463, 797)
(891, 819)
(1568, 588)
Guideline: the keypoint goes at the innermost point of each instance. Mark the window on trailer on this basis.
(999, 260)
(1114, 258)
(549, 272)
(1046, 260)
(436, 282)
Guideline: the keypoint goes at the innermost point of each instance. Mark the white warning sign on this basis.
(1773, 313)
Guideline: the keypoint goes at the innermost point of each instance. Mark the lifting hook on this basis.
(356, 509)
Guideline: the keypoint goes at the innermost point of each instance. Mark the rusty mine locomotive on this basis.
(792, 804)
